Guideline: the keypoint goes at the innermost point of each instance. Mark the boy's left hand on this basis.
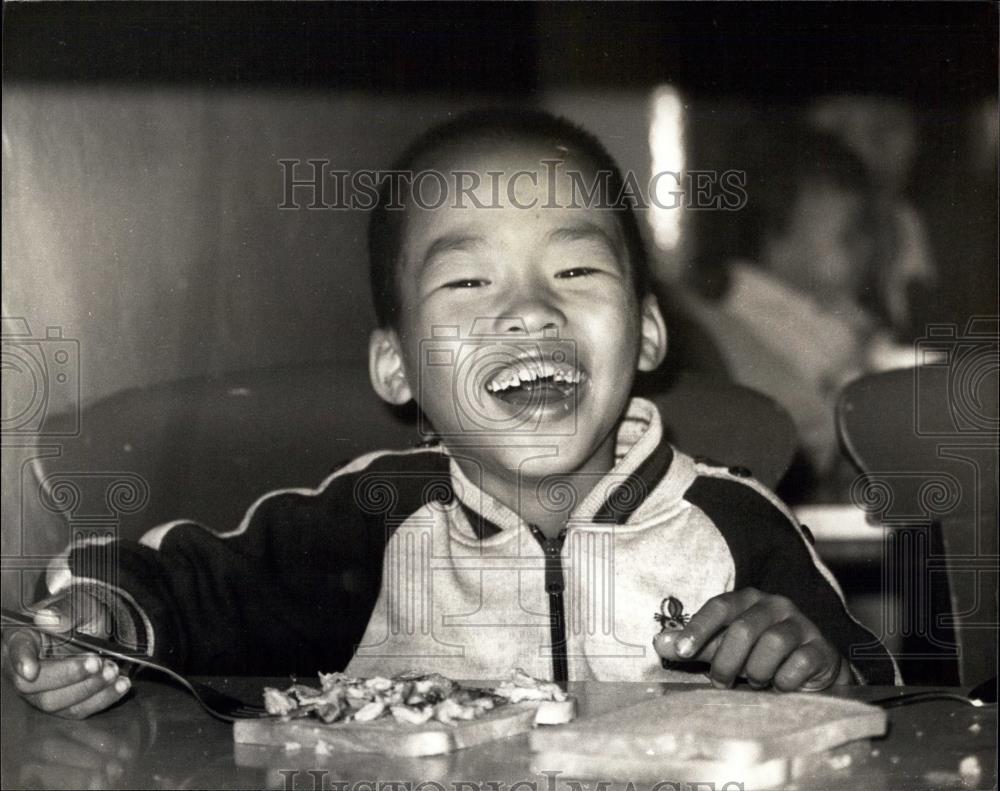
(758, 636)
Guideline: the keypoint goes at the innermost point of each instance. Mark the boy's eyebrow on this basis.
(585, 232)
(449, 242)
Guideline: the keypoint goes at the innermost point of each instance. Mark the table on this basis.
(159, 738)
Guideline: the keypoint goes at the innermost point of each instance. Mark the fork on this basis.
(218, 704)
(984, 694)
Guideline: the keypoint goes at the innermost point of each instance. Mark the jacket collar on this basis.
(642, 457)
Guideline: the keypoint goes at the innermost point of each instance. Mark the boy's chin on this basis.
(537, 456)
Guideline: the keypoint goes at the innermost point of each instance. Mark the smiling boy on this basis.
(534, 278)
(545, 524)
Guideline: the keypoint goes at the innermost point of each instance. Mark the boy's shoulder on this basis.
(742, 508)
(378, 483)
(425, 455)
(769, 547)
(402, 476)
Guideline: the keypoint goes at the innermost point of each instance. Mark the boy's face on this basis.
(520, 327)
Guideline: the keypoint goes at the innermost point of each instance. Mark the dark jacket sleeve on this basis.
(771, 553)
(289, 591)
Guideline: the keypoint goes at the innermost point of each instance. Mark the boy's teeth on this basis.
(523, 373)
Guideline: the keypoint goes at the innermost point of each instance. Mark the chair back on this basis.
(926, 440)
(205, 449)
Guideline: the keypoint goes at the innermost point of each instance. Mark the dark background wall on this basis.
(141, 142)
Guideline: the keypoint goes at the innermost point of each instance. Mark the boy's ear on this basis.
(385, 367)
(653, 346)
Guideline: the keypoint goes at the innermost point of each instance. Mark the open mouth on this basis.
(535, 381)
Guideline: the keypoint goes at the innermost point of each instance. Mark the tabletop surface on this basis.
(159, 738)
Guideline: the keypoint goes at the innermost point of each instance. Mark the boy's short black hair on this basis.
(386, 224)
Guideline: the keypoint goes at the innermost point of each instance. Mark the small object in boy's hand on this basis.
(671, 618)
(671, 615)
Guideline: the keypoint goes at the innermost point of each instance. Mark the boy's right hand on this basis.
(71, 683)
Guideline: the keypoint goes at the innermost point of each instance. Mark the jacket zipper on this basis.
(555, 586)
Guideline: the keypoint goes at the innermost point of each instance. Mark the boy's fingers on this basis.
(717, 612)
(811, 667)
(108, 696)
(22, 648)
(56, 616)
(772, 649)
(665, 644)
(54, 700)
(740, 638)
(57, 673)
(82, 613)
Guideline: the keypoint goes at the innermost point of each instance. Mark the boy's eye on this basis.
(467, 282)
(577, 271)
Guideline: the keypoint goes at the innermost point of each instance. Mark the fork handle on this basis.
(11, 618)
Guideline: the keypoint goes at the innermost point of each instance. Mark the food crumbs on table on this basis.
(970, 770)
(839, 762)
(975, 728)
(322, 748)
(291, 747)
(894, 759)
(920, 734)
(876, 753)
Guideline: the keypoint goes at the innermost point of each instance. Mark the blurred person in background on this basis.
(787, 309)
(882, 132)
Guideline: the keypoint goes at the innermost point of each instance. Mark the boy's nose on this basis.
(532, 316)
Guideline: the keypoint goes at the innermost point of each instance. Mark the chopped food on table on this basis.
(411, 698)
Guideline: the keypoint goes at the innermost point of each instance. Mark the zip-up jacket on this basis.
(400, 561)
